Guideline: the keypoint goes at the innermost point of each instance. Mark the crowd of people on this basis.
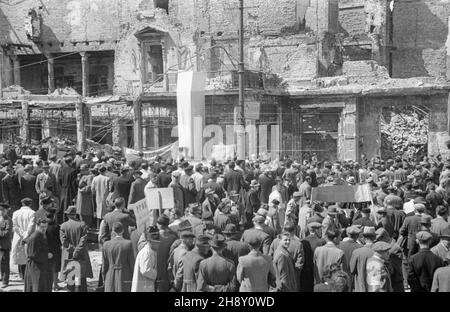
(236, 226)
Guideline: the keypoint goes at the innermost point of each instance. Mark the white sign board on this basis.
(144, 217)
(160, 198)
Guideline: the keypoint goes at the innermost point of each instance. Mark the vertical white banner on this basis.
(190, 104)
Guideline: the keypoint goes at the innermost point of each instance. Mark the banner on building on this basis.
(342, 193)
(160, 198)
(144, 216)
(164, 152)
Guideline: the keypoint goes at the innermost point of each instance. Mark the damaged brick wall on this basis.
(420, 36)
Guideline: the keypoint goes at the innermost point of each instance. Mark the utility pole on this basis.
(241, 72)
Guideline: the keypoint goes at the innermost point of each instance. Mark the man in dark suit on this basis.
(11, 189)
(422, 265)
(68, 186)
(252, 203)
(117, 215)
(120, 186)
(234, 248)
(28, 187)
(257, 231)
(315, 235)
(137, 188)
(6, 230)
(411, 226)
(167, 238)
(358, 260)
(118, 261)
(73, 235)
(295, 250)
(266, 182)
(217, 273)
(234, 180)
(351, 243)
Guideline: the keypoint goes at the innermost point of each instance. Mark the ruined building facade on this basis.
(326, 71)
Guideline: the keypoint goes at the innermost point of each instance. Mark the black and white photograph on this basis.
(242, 147)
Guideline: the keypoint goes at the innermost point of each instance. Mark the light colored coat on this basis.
(144, 274)
(85, 202)
(253, 271)
(23, 220)
(100, 190)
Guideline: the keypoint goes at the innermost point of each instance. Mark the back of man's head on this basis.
(117, 228)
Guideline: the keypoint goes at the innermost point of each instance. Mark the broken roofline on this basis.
(375, 91)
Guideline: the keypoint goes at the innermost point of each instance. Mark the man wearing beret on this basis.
(423, 264)
(217, 273)
(378, 277)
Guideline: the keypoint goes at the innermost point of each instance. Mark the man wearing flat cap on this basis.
(258, 232)
(378, 276)
(351, 242)
(187, 274)
(46, 181)
(315, 235)
(411, 226)
(217, 273)
(187, 243)
(359, 258)
(423, 264)
(145, 268)
(293, 208)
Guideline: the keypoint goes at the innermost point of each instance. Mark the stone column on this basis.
(25, 123)
(16, 69)
(85, 73)
(348, 141)
(156, 133)
(137, 129)
(51, 73)
(369, 128)
(116, 131)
